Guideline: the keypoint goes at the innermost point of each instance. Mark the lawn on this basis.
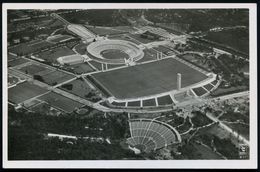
(78, 87)
(56, 77)
(135, 104)
(199, 91)
(164, 100)
(149, 102)
(17, 62)
(60, 102)
(148, 79)
(12, 80)
(59, 38)
(149, 54)
(32, 69)
(24, 91)
(29, 47)
(82, 68)
(52, 55)
(140, 39)
(102, 31)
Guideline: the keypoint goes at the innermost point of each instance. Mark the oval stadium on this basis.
(114, 51)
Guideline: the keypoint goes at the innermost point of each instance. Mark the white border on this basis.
(237, 164)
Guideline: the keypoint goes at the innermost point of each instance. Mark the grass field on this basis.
(82, 68)
(149, 54)
(140, 39)
(60, 102)
(147, 79)
(149, 102)
(79, 88)
(56, 77)
(29, 47)
(32, 69)
(199, 91)
(125, 37)
(95, 64)
(118, 103)
(105, 30)
(12, 80)
(17, 61)
(230, 38)
(165, 100)
(11, 57)
(81, 48)
(24, 91)
(135, 104)
(114, 54)
(52, 55)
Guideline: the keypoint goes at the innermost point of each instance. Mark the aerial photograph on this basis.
(128, 84)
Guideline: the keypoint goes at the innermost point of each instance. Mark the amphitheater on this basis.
(96, 48)
(149, 135)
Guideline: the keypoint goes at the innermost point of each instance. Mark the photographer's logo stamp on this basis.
(243, 151)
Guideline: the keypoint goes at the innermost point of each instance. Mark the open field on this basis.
(12, 80)
(239, 128)
(95, 64)
(17, 61)
(149, 102)
(81, 48)
(165, 100)
(149, 54)
(33, 69)
(114, 54)
(60, 102)
(147, 79)
(78, 87)
(82, 68)
(124, 37)
(11, 57)
(29, 47)
(56, 77)
(24, 91)
(52, 55)
(140, 39)
(230, 38)
(102, 31)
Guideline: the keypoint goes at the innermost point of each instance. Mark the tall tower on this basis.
(178, 81)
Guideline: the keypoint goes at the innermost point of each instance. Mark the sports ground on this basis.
(147, 79)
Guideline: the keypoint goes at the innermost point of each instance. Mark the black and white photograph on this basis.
(129, 85)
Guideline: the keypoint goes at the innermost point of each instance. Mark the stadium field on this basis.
(60, 102)
(114, 54)
(147, 79)
(24, 91)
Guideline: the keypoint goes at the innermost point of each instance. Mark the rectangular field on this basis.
(147, 79)
(60, 102)
(52, 55)
(24, 91)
